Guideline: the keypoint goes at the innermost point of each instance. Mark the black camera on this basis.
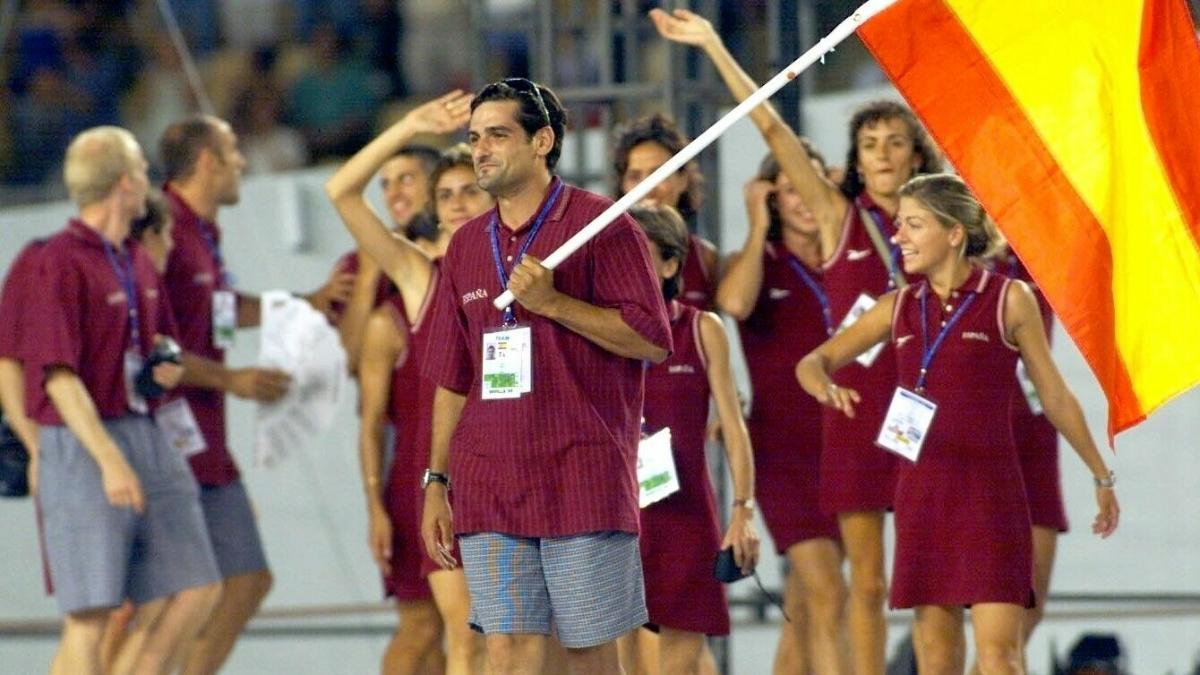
(165, 350)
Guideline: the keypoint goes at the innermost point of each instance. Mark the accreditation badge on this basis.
(906, 424)
(656, 475)
(133, 368)
(178, 425)
(861, 304)
(507, 358)
(224, 318)
(1027, 388)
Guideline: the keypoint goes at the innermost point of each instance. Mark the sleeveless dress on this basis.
(411, 413)
(963, 534)
(699, 282)
(1035, 437)
(784, 422)
(680, 535)
(855, 474)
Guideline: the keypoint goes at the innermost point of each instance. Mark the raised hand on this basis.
(441, 115)
(684, 27)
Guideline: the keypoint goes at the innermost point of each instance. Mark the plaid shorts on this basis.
(589, 586)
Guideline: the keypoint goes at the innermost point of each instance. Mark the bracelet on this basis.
(744, 503)
(1106, 483)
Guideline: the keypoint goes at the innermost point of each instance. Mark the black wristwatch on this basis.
(432, 476)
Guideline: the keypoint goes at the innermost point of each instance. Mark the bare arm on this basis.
(402, 261)
(78, 411)
(12, 400)
(740, 533)
(741, 283)
(825, 201)
(533, 286)
(382, 344)
(257, 384)
(352, 325)
(1023, 323)
(437, 527)
(815, 370)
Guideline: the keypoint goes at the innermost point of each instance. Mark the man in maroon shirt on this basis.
(122, 517)
(544, 449)
(203, 169)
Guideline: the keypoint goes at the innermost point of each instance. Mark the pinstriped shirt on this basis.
(562, 459)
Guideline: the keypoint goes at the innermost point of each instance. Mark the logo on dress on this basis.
(696, 295)
(477, 294)
(975, 335)
(902, 339)
(115, 298)
(681, 369)
(778, 293)
(203, 279)
(857, 254)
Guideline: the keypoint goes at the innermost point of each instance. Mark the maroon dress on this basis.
(410, 411)
(680, 535)
(785, 423)
(699, 282)
(1035, 437)
(855, 474)
(962, 519)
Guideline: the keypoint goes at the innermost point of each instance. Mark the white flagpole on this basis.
(824, 46)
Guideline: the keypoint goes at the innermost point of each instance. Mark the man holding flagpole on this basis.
(537, 446)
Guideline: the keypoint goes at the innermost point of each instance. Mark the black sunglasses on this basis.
(527, 87)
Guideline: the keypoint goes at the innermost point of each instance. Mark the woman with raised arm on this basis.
(395, 330)
(962, 515)
(679, 534)
(639, 148)
(773, 287)
(887, 147)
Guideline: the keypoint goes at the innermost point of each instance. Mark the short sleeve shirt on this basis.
(562, 459)
(82, 317)
(18, 283)
(195, 270)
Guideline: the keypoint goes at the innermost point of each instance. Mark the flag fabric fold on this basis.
(1074, 121)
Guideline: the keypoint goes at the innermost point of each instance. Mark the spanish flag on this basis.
(1077, 123)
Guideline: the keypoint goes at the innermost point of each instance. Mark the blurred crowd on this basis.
(299, 79)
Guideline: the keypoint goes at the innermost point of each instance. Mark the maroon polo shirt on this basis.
(21, 279)
(562, 459)
(193, 274)
(82, 315)
(15, 320)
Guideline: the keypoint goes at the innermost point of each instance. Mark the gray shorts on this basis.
(588, 586)
(100, 554)
(232, 529)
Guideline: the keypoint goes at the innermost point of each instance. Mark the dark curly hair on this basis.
(540, 107)
(657, 128)
(877, 111)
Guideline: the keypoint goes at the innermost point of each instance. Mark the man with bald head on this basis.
(203, 169)
(121, 511)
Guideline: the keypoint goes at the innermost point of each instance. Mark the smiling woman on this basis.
(957, 335)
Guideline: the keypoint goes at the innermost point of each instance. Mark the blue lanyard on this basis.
(510, 316)
(886, 231)
(224, 279)
(815, 287)
(931, 350)
(123, 268)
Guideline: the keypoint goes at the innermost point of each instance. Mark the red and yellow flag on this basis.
(1077, 123)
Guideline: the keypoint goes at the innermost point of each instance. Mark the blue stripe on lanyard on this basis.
(885, 230)
(815, 287)
(123, 267)
(510, 316)
(224, 280)
(931, 350)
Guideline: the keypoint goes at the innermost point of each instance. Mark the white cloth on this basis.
(296, 339)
